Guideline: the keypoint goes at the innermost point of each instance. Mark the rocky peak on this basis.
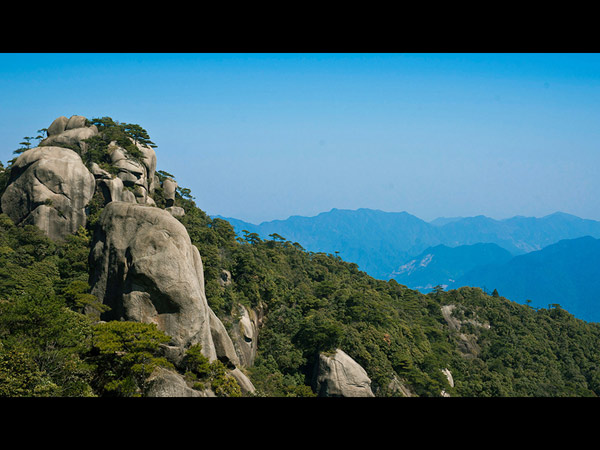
(69, 133)
(142, 262)
(49, 187)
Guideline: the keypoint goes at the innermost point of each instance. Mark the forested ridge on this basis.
(310, 302)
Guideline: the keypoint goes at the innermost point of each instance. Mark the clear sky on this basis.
(265, 136)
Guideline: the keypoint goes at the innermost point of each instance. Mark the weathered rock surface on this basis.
(69, 132)
(223, 345)
(166, 383)
(49, 187)
(169, 186)
(176, 211)
(244, 382)
(467, 344)
(147, 270)
(244, 335)
(138, 175)
(113, 190)
(398, 386)
(338, 375)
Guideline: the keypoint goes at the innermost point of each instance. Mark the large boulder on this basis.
(338, 375)
(146, 269)
(70, 132)
(169, 187)
(49, 187)
(244, 334)
(167, 383)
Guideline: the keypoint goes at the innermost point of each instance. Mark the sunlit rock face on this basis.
(136, 174)
(146, 269)
(49, 187)
(70, 132)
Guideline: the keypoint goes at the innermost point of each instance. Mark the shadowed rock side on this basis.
(49, 187)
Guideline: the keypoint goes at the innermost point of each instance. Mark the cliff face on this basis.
(143, 264)
(146, 269)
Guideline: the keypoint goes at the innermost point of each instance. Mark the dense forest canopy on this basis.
(312, 302)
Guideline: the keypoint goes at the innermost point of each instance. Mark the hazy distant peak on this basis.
(440, 221)
(561, 215)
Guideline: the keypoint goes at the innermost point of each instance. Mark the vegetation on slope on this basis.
(312, 302)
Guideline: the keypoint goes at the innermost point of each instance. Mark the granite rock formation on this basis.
(146, 269)
(138, 175)
(244, 334)
(142, 262)
(49, 187)
(338, 375)
(169, 186)
(70, 133)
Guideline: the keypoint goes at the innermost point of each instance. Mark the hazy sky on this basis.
(265, 136)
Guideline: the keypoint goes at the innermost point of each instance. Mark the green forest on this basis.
(312, 302)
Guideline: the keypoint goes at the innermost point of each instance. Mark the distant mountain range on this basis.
(565, 273)
(552, 259)
(381, 242)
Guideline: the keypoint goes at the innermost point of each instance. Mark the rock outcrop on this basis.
(244, 334)
(338, 375)
(143, 264)
(167, 383)
(146, 269)
(135, 174)
(49, 187)
(169, 186)
(70, 132)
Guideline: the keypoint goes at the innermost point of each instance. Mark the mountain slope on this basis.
(566, 273)
(302, 304)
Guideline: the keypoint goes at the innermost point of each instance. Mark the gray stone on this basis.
(338, 375)
(49, 187)
(114, 190)
(75, 122)
(149, 162)
(133, 173)
(397, 386)
(176, 211)
(225, 278)
(98, 172)
(244, 335)
(244, 382)
(166, 383)
(169, 186)
(71, 132)
(147, 270)
(58, 126)
(223, 345)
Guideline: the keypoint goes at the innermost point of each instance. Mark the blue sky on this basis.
(265, 136)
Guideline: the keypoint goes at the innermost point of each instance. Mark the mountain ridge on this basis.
(379, 241)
